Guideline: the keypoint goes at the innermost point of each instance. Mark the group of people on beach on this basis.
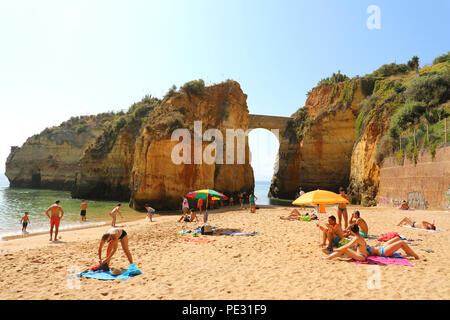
(334, 237)
(337, 244)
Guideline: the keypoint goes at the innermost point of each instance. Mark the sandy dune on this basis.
(284, 261)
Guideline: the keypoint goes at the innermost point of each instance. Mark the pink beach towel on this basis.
(399, 261)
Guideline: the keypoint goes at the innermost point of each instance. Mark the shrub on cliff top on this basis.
(432, 89)
(196, 87)
(335, 78)
(390, 69)
(443, 58)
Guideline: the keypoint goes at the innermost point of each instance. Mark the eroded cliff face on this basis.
(49, 160)
(155, 177)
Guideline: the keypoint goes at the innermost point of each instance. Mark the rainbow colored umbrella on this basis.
(204, 193)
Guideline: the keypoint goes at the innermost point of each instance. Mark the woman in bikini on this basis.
(342, 209)
(390, 248)
(112, 237)
(362, 249)
(421, 225)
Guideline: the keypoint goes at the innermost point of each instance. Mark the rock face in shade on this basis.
(49, 160)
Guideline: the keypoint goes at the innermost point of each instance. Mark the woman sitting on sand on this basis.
(404, 206)
(423, 225)
(364, 250)
(112, 237)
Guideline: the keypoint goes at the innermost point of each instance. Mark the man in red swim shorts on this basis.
(55, 218)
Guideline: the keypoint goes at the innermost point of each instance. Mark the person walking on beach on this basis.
(150, 211)
(362, 224)
(114, 213)
(83, 210)
(252, 200)
(342, 209)
(112, 237)
(25, 221)
(55, 209)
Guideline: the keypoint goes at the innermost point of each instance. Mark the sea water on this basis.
(15, 201)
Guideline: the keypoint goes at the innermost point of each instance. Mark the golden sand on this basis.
(284, 261)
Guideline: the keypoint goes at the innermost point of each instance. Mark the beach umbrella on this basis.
(203, 194)
(320, 197)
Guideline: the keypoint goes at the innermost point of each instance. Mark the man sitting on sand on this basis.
(114, 213)
(333, 232)
(112, 237)
(420, 225)
(363, 227)
(55, 218)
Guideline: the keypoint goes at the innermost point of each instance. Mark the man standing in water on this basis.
(55, 218)
(83, 210)
(342, 209)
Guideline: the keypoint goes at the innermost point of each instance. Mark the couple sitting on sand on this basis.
(357, 247)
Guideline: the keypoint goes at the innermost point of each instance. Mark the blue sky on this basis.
(64, 58)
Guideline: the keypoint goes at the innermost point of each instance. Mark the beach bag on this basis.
(206, 230)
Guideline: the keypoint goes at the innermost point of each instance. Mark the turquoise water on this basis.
(14, 202)
(261, 191)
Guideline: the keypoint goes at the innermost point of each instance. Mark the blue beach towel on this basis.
(106, 275)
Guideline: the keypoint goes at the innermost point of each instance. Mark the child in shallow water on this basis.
(25, 221)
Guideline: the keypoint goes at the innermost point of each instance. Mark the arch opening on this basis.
(264, 146)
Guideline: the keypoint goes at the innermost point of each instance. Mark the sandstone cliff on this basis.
(48, 160)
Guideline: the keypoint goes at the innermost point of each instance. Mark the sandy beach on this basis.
(284, 261)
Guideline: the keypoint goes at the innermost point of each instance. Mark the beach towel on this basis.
(396, 259)
(235, 233)
(106, 275)
(388, 236)
(199, 240)
(420, 229)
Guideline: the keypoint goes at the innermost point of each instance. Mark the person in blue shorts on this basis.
(333, 232)
(150, 211)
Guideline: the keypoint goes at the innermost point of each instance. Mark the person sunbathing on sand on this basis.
(112, 237)
(333, 232)
(363, 227)
(362, 249)
(386, 251)
(293, 215)
(423, 225)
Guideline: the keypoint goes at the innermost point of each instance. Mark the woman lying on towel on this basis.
(424, 225)
(112, 237)
(363, 250)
